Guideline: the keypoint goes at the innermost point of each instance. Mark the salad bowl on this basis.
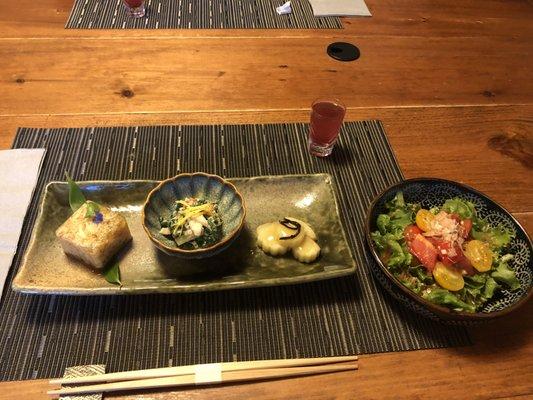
(213, 188)
(433, 192)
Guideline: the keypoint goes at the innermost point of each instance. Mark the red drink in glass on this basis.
(135, 8)
(133, 3)
(326, 120)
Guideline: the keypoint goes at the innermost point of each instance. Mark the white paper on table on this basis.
(284, 8)
(339, 8)
(19, 170)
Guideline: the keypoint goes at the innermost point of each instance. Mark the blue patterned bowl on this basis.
(431, 192)
(213, 188)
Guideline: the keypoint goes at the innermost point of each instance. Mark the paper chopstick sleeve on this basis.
(207, 373)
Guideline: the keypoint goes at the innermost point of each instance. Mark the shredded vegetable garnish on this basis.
(193, 224)
(292, 225)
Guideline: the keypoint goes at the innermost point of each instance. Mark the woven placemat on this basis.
(42, 335)
(198, 14)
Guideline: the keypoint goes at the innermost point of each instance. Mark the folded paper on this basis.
(19, 170)
(284, 9)
(207, 373)
(339, 8)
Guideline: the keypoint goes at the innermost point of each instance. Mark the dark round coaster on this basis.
(343, 51)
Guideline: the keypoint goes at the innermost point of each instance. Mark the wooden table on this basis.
(452, 82)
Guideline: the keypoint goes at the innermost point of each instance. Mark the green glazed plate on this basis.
(145, 269)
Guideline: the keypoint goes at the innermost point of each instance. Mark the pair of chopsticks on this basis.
(203, 374)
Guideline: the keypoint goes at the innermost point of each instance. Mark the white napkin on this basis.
(339, 8)
(19, 170)
(284, 8)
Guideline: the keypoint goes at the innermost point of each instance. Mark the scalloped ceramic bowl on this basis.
(212, 188)
(431, 192)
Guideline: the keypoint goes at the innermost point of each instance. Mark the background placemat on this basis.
(41, 335)
(198, 14)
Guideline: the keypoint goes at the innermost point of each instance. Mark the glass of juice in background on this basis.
(135, 8)
(326, 120)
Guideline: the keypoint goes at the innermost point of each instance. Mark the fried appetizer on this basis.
(93, 234)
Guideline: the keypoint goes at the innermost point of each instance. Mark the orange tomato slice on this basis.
(479, 254)
(448, 278)
(424, 219)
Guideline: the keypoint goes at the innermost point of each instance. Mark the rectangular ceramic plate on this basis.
(145, 269)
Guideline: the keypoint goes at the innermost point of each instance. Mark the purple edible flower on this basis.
(98, 217)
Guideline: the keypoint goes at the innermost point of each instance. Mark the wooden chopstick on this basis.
(190, 369)
(227, 376)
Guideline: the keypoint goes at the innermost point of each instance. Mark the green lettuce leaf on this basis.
(393, 254)
(383, 222)
(389, 236)
(504, 274)
(490, 287)
(474, 285)
(478, 289)
(465, 209)
(382, 240)
(476, 281)
(397, 202)
(400, 213)
(497, 237)
(379, 240)
(399, 257)
(410, 282)
(446, 298)
(421, 273)
(399, 219)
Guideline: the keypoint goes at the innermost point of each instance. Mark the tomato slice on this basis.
(422, 249)
(455, 257)
(448, 277)
(465, 265)
(410, 232)
(424, 219)
(449, 254)
(465, 225)
(479, 254)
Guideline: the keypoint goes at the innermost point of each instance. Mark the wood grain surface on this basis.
(197, 74)
(451, 81)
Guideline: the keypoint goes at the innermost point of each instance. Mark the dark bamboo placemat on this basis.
(41, 335)
(198, 14)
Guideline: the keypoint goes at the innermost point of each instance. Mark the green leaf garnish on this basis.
(92, 209)
(446, 298)
(112, 274)
(75, 196)
(504, 274)
(465, 209)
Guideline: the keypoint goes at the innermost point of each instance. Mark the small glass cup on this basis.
(326, 120)
(135, 8)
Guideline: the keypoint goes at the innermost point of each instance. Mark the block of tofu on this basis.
(93, 240)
